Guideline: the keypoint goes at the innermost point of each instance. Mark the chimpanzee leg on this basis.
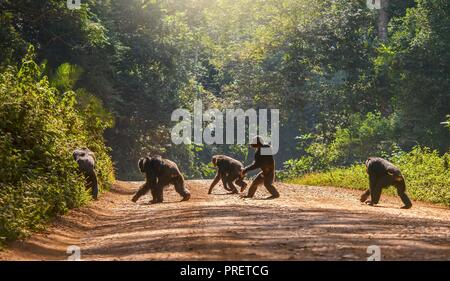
(401, 191)
(235, 176)
(375, 195)
(257, 181)
(229, 181)
(142, 191)
(373, 183)
(365, 196)
(180, 187)
(225, 183)
(268, 183)
(232, 176)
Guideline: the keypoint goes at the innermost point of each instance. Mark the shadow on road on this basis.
(229, 229)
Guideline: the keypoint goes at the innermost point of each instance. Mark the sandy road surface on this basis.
(305, 223)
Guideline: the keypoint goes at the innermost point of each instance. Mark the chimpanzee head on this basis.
(150, 164)
(257, 142)
(82, 152)
(143, 163)
(214, 160)
(78, 152)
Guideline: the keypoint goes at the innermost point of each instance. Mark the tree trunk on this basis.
(383, 19)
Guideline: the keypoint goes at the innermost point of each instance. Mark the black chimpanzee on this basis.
(160, 173)
(267, 165)
(86, 164)
(383, 173)
(229, 170)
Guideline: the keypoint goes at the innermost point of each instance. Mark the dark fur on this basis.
(229, 171)
(267, 175)
(86, 164)
(160, 173)
(382, 174)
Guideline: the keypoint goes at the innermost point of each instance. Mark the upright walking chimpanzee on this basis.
(382, 174)
(229, 170)
(86, 164)
(160, 173)
(267, 165)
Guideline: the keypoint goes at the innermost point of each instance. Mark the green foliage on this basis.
(351, 177)
(320, 62)
(39, 128)
(296, 167)
(447, 123)
(418, 85)
(426, 173)
(347, 94)
(65, 77)
(363, 137)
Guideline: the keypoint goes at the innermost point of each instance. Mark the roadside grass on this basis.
(426, 173)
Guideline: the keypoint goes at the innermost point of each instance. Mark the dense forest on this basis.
(350, 82)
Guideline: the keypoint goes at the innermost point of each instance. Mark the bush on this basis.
(426, 173)
(367, 135)
(296, 167)
(39, 128)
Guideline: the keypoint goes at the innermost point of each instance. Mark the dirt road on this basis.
(306, 223)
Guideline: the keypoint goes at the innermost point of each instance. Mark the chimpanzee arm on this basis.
(365, 196)
(149, 184)
(152, 178)
(373, 189)
(225, 183)
(224, 170)
(215, 181)
(255, 165)
(141, 165)
(141, 192)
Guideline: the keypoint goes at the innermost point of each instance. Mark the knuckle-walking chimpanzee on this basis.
(267, 165)
(382, 174)
(159, 173)
(229, 171)
(85, 159)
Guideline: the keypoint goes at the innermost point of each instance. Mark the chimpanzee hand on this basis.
(243, 187)
(364, 197)
(187, 197)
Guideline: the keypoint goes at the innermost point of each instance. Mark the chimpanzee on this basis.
(267, 165)
(229, 170)
(382, 174)
(86, 164)
(160, 173)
